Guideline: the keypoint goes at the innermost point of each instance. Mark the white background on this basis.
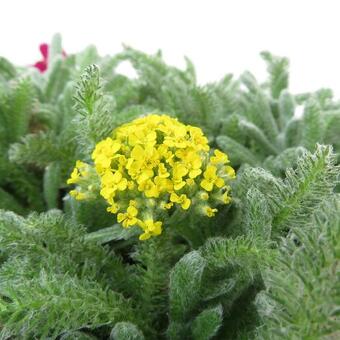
(218, 36)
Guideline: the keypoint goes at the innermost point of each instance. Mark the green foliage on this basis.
(302, 296)
(78, 279)
(220, 272)
(291, 201)
(39, 149)
(150, 281)
(40, 239)
(15, 117)
(265, 267)
(278, 71)
(312, 182)
(18, 185)
(70, 303)
(7, 70)
(96, 120)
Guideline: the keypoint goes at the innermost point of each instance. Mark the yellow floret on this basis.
(75, 175)
(210, 212)
(129, 218)
(150, 228)
(182, 200)
(211, 179)
(219, 157)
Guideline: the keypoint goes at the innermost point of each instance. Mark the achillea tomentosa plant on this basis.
(146, 154)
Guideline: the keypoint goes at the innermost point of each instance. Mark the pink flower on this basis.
(42, 64)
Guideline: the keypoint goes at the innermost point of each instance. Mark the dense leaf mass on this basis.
(267, 265)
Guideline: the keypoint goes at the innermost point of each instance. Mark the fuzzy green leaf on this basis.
(39, 149)
(207, 323)
(7, 70)
(258, 136)
(75, 304)
(126, 331)
(185, 281)
(313, 125)
(286, 106)
(257, 217)
(58, 76)
(302, 295)
(237, 153)
(51, 185)
(256, 107)
(304, 189)
(8, 202)
(114, 233)
(278, 70)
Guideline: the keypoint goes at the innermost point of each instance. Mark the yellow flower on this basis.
(149, 188)
(165, 205)
(113, 208)
(219, 158)
(111, 182)
(211, 179)
(164, 184)
(177, 138)
(143, 137)
(195, 169)
(129, 218)
(80, 170)
(199, 141)
(230, 171)
(131, 185)
(189, 181)
(165, 154)
(204, 196)
(142, 162)
(150, 228)
(179, 171)
(75, 175)
(133, 203)
(108, 147)
(119, 161)
(163, 171)
(210, 212)
(183, 200)
(192, 161)
(103, 154)
(108, 192)
(225, 198)
(80, 196)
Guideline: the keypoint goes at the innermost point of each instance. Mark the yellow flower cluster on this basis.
(154, 164)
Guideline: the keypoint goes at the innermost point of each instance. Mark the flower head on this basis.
(154, 165)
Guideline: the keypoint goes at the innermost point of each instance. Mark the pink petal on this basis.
(41, 66)
(44, 50)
